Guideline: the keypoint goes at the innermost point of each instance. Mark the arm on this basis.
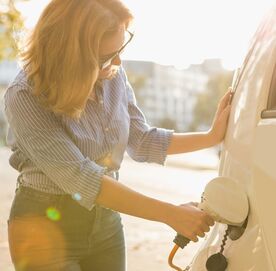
(187, 142)
(146, 144)
(185, 219)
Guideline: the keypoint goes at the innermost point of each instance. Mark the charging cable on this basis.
(227, 203)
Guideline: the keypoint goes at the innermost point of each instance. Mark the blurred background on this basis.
(180, 62)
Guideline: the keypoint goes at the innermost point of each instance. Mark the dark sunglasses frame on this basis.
(106, 62)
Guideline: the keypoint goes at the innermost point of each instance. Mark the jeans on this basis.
(54, 233)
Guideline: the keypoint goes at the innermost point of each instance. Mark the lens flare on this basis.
(36, 242)
(53, 214)
(22, 264)
(77, 197)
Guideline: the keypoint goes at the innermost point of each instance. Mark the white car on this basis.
(249, 157)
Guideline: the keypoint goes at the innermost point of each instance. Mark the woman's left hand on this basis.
(220, 121)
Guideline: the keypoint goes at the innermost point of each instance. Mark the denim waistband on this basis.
(37, 194)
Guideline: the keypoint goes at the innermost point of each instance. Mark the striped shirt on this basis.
(59, 155)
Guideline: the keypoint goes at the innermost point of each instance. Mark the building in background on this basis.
(168, 95)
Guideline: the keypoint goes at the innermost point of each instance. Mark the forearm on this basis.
(185, 219)
(119, 197)
(188, 142)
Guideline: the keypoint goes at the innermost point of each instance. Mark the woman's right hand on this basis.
(188, 220)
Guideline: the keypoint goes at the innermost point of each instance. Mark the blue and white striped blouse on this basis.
(58, 155)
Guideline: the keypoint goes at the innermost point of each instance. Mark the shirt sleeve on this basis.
(41, 137)
(145, 144)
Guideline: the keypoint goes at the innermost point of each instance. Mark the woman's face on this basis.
(109, 46)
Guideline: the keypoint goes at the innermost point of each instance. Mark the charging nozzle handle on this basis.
(181, 240)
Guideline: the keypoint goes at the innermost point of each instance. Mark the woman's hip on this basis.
(46, 228)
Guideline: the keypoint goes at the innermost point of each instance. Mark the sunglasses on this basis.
(106, 61)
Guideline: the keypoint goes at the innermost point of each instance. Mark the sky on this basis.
(184, 32)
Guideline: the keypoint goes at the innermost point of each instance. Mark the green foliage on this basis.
(207, 101)
(11, 23)
(168, 123)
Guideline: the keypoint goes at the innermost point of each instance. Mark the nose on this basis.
(117, 61)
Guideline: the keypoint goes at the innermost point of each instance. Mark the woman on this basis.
(72, 114)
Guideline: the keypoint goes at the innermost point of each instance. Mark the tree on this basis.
(11, 23)
(168, 123)
(207, 101)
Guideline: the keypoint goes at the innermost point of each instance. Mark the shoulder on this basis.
(20, 88)
(21, 81)
(21, 105)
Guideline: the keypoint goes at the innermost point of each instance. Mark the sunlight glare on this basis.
(183, 32)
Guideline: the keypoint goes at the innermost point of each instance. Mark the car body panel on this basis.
(248, 156)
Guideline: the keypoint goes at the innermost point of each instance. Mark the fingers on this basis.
(190, 221)
(225, 113)
(206, 222)
(224, 101)
(199, 232)
(226, 96)
(204, 225)
(193, 238)
(201, 226)
(205, 228)
(210, 221)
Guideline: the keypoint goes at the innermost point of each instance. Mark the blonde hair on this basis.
(62, 54)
